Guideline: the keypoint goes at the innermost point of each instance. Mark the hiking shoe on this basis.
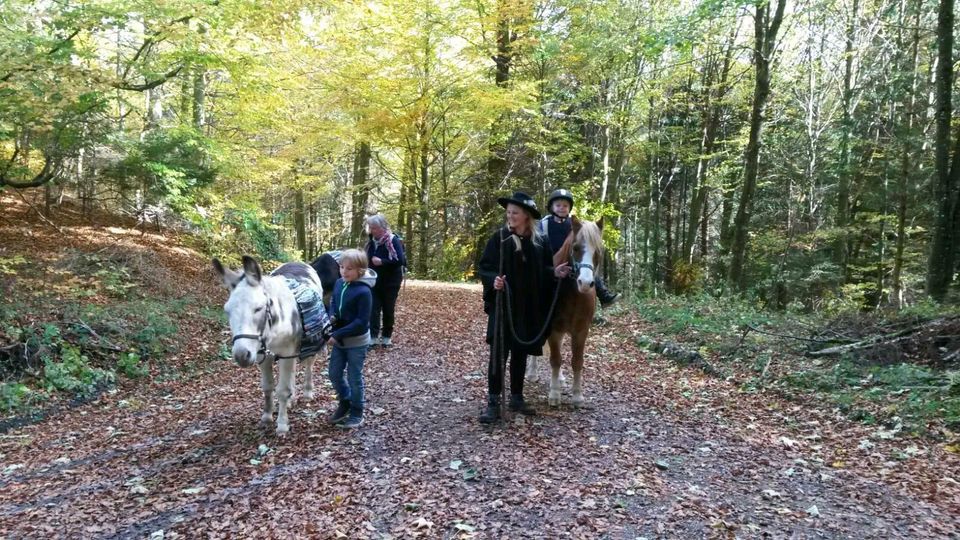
(385, 343)
(351, 423)
(342, 412)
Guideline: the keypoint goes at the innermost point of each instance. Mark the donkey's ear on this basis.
(229, 277)
(600, 223)
(251, 269)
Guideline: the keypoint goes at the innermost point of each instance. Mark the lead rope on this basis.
(546, 322)
(500, 359)
(498, 348)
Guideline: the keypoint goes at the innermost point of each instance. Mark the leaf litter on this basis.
(661, 451)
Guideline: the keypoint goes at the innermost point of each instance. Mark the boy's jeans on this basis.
(349, 360)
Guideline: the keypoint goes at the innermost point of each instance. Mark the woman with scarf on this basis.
(385, 252)
(519, 262)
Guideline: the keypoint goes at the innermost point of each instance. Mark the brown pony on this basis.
(583, 249)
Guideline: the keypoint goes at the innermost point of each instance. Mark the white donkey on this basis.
(265, 323)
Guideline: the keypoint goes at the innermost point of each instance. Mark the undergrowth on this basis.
(82, 336)
(737, 337)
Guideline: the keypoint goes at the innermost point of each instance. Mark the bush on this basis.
(73, 373)
(170, 165)
(14, 395)
(129, 364)
(455, 262)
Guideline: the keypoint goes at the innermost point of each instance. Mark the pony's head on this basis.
(586, 252)
(248, 309)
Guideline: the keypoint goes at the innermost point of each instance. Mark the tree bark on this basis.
(765, 41)
(360, 190)
(907, 149)
(423, 211)
(715, 87)
(940, 267)
(299, 224)
(496, 171)
(842, 248)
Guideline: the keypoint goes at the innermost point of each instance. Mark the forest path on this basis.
(658, 452)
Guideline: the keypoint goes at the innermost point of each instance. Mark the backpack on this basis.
(403, 256)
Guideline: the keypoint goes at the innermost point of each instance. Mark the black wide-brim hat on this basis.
(522, 200)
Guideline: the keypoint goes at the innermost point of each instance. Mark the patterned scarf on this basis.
(386, 239)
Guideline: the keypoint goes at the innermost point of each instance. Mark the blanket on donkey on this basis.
(316, 322)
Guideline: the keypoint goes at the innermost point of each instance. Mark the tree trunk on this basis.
(360, 190)
(199, 97)
(408, 193)
(765, 41)
(299, 224)
(496, 163)
(907, 149)
(423, 201)
(940, 266)
(842, 248)
(715, 87)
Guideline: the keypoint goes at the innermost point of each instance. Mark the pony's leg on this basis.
(308, 377)
(266, 384)
(533, 369)
(287, 371)
(578, 345)
(554, 397)
(562, 378)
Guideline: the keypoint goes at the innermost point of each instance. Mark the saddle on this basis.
(313, 315)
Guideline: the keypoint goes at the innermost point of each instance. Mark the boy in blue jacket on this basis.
(350, 317)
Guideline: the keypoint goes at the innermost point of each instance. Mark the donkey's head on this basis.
(248, 309)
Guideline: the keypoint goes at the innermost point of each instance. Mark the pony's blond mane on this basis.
(592, 235)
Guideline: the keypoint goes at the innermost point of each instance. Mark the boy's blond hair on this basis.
(355, 258)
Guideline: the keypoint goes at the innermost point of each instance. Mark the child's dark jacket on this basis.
(350, 307)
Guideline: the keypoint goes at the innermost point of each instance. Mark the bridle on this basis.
(262, 341)
(576, 265)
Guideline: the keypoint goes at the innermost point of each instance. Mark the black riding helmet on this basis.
(559, 194)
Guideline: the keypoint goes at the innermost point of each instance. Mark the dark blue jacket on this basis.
(555, 231)
(390, 273)
(350, 305)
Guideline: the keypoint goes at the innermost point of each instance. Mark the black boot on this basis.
(604, 295)
(517, 404)
(492, 413)
(343, 410)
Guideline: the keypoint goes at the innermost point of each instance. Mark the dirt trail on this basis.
(659, 452)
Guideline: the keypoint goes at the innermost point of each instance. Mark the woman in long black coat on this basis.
(527, 267)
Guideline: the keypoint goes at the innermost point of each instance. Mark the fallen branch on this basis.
(759, 331)
(38, 212)
(679, 355)
(101, 342)
(888, 339)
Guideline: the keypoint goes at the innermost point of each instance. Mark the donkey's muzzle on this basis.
(243, 358)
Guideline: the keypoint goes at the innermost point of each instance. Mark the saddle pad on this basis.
(316, 323)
